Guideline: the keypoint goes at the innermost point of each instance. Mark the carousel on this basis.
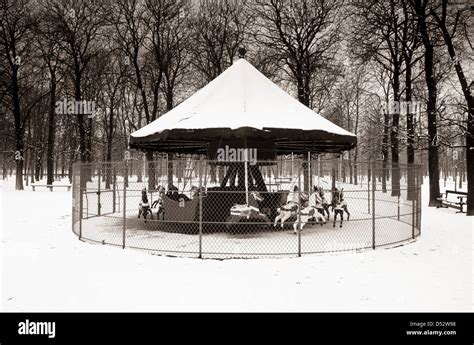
(241, 123)
(242, 169)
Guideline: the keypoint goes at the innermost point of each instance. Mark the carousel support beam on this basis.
(257, 176)
(306, 182)
(247, 182)
(170, 170)
(320, 169)
(241, 174)
(230, 175)
(310, 179)
(233, 176)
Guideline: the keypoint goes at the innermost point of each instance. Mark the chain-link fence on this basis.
(213, 209)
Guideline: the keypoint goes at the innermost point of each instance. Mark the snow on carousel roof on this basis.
(242, 102)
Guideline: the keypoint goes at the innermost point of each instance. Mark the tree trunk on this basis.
(411, 193)
(19, 131)
(385, 151)
(303, 98)
(470, 168)
(433, 158)
(394, 133)
(89, 132)
(470, 113)
(108, 155)
(51, 133)
(80, 120)
(151, 170)
(356, 150)
(4, 160)
(38, 165)
(19, 171)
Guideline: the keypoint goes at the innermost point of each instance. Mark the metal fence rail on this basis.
(200, 208)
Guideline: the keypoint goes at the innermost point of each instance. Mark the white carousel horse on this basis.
(245, 210)
(289, 209)
(311, 211)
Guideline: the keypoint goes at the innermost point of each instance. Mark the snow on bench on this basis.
(445, 202)
(51, 186)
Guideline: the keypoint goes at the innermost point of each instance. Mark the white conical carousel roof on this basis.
(240, 97)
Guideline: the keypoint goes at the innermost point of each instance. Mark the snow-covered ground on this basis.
(46, 268)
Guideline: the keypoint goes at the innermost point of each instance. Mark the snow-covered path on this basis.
(46, 268)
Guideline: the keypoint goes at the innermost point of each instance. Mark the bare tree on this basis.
(79, 25)
(21, 93)
(451, 18)
(378, 36)
(47, 44)
(302, 35)
(420, 9)
(410, 43)
(219, 28)
(114, 72)
(168, 46)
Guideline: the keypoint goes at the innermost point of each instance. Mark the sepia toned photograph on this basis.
(236, 156)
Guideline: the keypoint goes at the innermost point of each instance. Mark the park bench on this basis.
(283, 179)
(444, 202)
(51, 186)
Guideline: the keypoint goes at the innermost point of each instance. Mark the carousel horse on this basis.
(339, 206)
(322, 204)
(144, 206)
(157, 205)
(289, 209)
(245, 210)
(311, 211)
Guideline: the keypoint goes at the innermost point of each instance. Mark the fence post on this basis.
(373, 205)
(414, 218)
(200, 209)
(398, 207)
(368, 187)
(81, 201)
(299, 211)
(114, 191)
(419, 182)
(310, 177)
(98, 189)
(124, 205)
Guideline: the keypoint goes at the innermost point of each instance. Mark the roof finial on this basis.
(242, 51)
